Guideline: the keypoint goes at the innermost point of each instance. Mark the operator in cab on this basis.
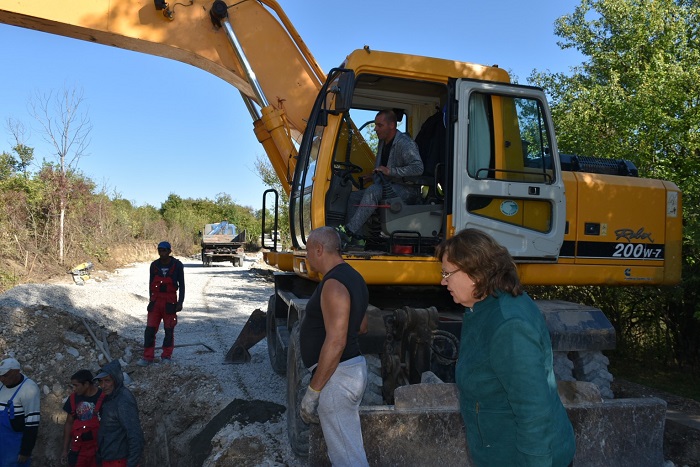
(397, 156)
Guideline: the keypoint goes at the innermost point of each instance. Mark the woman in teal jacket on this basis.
(508, 395)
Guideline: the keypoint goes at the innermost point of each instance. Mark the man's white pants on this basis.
(338, 411)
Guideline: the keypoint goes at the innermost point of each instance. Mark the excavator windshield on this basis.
(340, 147)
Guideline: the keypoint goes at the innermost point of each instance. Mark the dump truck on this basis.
(491, 162)
(220, 242)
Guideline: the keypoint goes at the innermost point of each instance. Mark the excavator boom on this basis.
(186, 32)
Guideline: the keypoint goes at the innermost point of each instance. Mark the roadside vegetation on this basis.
(634, 97)
(52, 217)
(107, 231)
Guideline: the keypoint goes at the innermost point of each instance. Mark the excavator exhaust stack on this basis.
(253, 332)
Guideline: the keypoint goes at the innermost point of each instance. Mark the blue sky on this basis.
(162, 127)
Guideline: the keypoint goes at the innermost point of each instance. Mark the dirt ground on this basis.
(182, 418)
(192, 414)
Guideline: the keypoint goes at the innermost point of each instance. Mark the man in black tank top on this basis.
(334, 317)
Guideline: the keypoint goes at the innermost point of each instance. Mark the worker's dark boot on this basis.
(350, 241)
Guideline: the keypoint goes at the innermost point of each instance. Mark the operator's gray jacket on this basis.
(404, 158)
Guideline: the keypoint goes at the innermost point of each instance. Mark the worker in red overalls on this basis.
(80, 430)
(167, 293)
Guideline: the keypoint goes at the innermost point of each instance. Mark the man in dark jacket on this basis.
(120, 438)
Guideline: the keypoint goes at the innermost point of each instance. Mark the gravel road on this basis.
(247, 420)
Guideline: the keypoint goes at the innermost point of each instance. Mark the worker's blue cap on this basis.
(164, 246)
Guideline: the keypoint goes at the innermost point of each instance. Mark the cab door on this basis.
(306, 206)
(507, 175)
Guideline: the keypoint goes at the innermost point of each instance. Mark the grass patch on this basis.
(681, 382)
(7, 281)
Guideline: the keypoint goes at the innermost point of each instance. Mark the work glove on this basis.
(309, 406)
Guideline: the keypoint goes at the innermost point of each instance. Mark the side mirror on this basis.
(344, 90)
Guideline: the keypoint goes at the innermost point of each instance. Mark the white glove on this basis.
(309, 406)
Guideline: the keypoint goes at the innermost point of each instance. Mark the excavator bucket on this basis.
(253, 332)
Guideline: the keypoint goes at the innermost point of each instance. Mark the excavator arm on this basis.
(249, 44)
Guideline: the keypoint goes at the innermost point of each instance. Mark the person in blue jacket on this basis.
(507, 391)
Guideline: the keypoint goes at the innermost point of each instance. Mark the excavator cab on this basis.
(491, 141)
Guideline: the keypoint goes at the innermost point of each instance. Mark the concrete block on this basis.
(682, 442)
(620, 432)
(575, 392)
(427, 395)
(404, 438)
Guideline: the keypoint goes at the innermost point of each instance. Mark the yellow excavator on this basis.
(490, 161)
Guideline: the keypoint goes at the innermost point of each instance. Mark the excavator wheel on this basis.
(275, 349)
(298, 378)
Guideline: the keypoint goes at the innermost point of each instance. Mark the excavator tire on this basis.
(275, 349)
(373, 391)
(298, 378)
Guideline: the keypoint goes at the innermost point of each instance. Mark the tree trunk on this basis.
(60, 231)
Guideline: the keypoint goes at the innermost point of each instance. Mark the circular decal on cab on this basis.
(509, 208)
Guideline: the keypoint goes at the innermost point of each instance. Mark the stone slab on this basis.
(619, 432)
(682, 444)
(427, 395)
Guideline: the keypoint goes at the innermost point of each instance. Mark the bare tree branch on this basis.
(64, 126)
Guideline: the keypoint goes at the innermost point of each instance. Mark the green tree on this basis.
(24, 155)
(636, 97)
(7, 165)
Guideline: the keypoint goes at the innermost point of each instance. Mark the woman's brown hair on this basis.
(484, 260)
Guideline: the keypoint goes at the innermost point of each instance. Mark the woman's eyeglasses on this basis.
(446, 275)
